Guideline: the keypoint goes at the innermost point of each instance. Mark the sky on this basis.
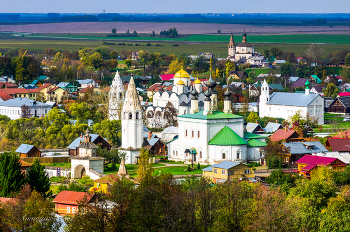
(178, 6)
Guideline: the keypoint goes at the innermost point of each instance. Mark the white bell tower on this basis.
(116, 97)
(132, 123)
(264, 98)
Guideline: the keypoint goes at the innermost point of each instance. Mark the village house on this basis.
(21, 92)
(310, 163)
(338, 144)
(153, 144)
(4, 96)
(13, 108)
(73, 149)
(67, 202)
(237, 75)
(272, 127)
(286, 135)
(340, 105)
(228, 170)
(254, 128)
(26, 150)
(292, 152)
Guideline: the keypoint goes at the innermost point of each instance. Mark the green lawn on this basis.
(171, 162)
(62, 165)
(179, 170)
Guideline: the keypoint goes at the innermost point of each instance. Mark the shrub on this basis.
(175, 45)
(198, 166)
(189, 168)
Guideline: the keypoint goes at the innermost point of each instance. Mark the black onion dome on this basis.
(207, 94)
(227, 94)
(194, 94)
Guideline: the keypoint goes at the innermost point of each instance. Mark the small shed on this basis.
(255, 128)
(26, 150)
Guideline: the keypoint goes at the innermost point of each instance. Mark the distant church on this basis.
(242, 51)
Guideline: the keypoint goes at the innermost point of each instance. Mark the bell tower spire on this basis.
(116, 97)
(231, 47)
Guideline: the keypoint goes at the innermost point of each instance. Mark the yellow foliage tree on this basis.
(145, 171)
(175, 66)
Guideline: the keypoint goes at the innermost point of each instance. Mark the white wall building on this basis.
(212, 135)
(285, 105)
(13, 108)
(243, 50)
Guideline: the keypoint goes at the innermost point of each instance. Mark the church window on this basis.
(137, 115)
(176, 153)
(192, 134)
(173, 153)
(223, 156)
(200, 154)
(185, 133)
(184, 111)
(130, 115)
(198, 134)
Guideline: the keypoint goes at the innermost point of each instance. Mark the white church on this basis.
(285, 105)
(210, 136)
(116, 97)
(243, 50)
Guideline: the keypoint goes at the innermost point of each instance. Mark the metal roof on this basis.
(24, 148)
(256, 143)
(291, 99)
(223, 165)
(79, 140)
(18, 102)
(213, 116)
(248, 135)
(171, 130)
(300, 148)
(227, 137)
(252, 126)
(272, 127)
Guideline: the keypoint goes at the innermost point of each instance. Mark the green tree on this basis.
(113, 54)
(38, 179)
(253, 117)
(286, 69)
(331, 91)
(145, 171)
(12, 178)
(128, 63)
(81, 111)
(114, 31)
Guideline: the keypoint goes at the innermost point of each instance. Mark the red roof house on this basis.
(167, 77)
(309, 163)
(344, 134)
(66, 202)
(338, 144)
(287, 135)
(5, 96)
(344, 94)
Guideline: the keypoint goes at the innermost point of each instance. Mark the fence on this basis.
(47, 160)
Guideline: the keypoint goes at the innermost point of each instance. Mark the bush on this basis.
(158, 45)
(148, 44)
(57, 179)
(198, 166)
(175, 45)
(73, 186)
(189, 168)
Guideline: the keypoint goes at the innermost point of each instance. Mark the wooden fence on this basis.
(47, 160)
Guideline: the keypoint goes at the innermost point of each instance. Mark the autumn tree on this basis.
(331, 91)
(314, 52)
(144, 171)
(175, 66)
(170, 114)
(252, 117)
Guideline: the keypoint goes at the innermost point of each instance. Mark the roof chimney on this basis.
(149, 134)
(276, 121)
(286, 129)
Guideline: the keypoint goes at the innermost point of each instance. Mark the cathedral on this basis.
(179, 97)
(209, 136)
(242, 51)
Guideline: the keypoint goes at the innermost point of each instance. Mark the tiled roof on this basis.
(154, 87)
(224, 165)
(71, 197)
(299, 83)
(281, 134)
(291, 99)
(43, 86)
(87, 145)
(5, 96)
(7, 85)
(15, 91)
(215, 115)
(85, 89)
(317, 160)
(227, 137)
(24, 148)
(340, 144)
(52, 89)
(256, 143)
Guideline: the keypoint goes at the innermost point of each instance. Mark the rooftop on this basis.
(224, 165)
(18, 102)
(316, 160)
(215, 115)
(256, 143)
(227, 137)
(291, 99)
(71, 197)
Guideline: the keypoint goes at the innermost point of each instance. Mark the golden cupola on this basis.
(180, 82)
(197, 81)
(182, 74)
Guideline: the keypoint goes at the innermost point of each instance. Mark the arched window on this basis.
(200, 154)
(199, 134)
(137, 115)
(176, 153)
(186, 133)
(130, 115)
(238, 154)
(192, 134)
(223, 156)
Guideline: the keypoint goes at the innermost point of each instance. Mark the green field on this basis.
(287, 39)
(219, 49)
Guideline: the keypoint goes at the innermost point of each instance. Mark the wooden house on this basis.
(26, 150)
(254, 128)
(153, 144)
(286, 135)
(292, 152)
(338, 144)
(95, 138)
(237, 75)
(308, 164)
(67, 202)
(340, 105)
(228, 170)
(24, 166)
